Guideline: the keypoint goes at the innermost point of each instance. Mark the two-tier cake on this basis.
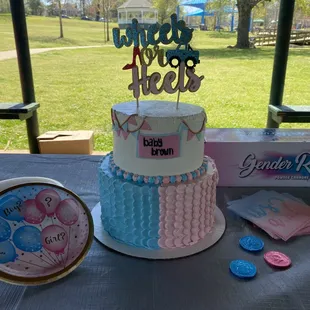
(157, 189)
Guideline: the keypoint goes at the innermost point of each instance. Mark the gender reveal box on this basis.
(260, 157)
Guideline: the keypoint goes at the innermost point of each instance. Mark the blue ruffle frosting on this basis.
(129, 211)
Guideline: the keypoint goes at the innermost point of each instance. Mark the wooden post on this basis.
(281, 55)
(25, 70)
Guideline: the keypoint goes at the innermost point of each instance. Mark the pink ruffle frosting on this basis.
(187, 210)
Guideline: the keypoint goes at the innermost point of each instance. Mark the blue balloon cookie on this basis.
(251, 243)
(242, 269)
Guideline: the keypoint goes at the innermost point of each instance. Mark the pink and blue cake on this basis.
(157, 189)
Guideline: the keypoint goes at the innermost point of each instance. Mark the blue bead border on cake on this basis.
(141, 179)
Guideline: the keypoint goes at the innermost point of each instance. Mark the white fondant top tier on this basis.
(157, 139)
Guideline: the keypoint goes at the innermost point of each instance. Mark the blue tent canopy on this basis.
(200, 6)
(200, 13)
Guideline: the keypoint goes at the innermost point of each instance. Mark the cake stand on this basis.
(210, 239)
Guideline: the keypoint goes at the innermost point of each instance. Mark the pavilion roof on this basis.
(136, 4)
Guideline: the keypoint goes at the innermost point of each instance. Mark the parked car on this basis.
(85, 18)
(102, 19)
(65, 16)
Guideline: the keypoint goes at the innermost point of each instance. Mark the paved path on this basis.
(12, 54)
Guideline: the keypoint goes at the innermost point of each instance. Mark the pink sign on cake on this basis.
(161, 147)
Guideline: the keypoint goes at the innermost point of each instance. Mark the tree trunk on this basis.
(215, 21)
(60, 19)
(104, 30)
(244, 25)
(265, 16)
(83, 7)
(98, 12)
(108, 32)
(104, 14)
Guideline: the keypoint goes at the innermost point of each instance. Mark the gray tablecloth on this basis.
(107, 280)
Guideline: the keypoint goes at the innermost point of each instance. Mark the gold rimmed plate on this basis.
(45, 233)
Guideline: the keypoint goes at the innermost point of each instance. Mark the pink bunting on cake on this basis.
(113, 116)
(190, 135)
(145, 126)
(132, 121)
(125, 134)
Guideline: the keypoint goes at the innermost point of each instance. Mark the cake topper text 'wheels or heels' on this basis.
(183, 58)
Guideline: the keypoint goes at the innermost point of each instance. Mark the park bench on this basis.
(289, 114)
(19, 111)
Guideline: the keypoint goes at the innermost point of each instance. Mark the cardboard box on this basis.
(260, 157)
(66, 142)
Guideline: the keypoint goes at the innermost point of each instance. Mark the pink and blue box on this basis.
(260, 157)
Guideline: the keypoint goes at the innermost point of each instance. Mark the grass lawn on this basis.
(76, 88)
(44, 32)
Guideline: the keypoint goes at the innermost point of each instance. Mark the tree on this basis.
(82, 5)
(107, 5)
(165, 9)
(53, 7)
(97, 10)
(60, 19)
(260, 12)
(244, 10)
(35, 7)
(218, 8)
(303, 6)
(106, 9)
(4, 6)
